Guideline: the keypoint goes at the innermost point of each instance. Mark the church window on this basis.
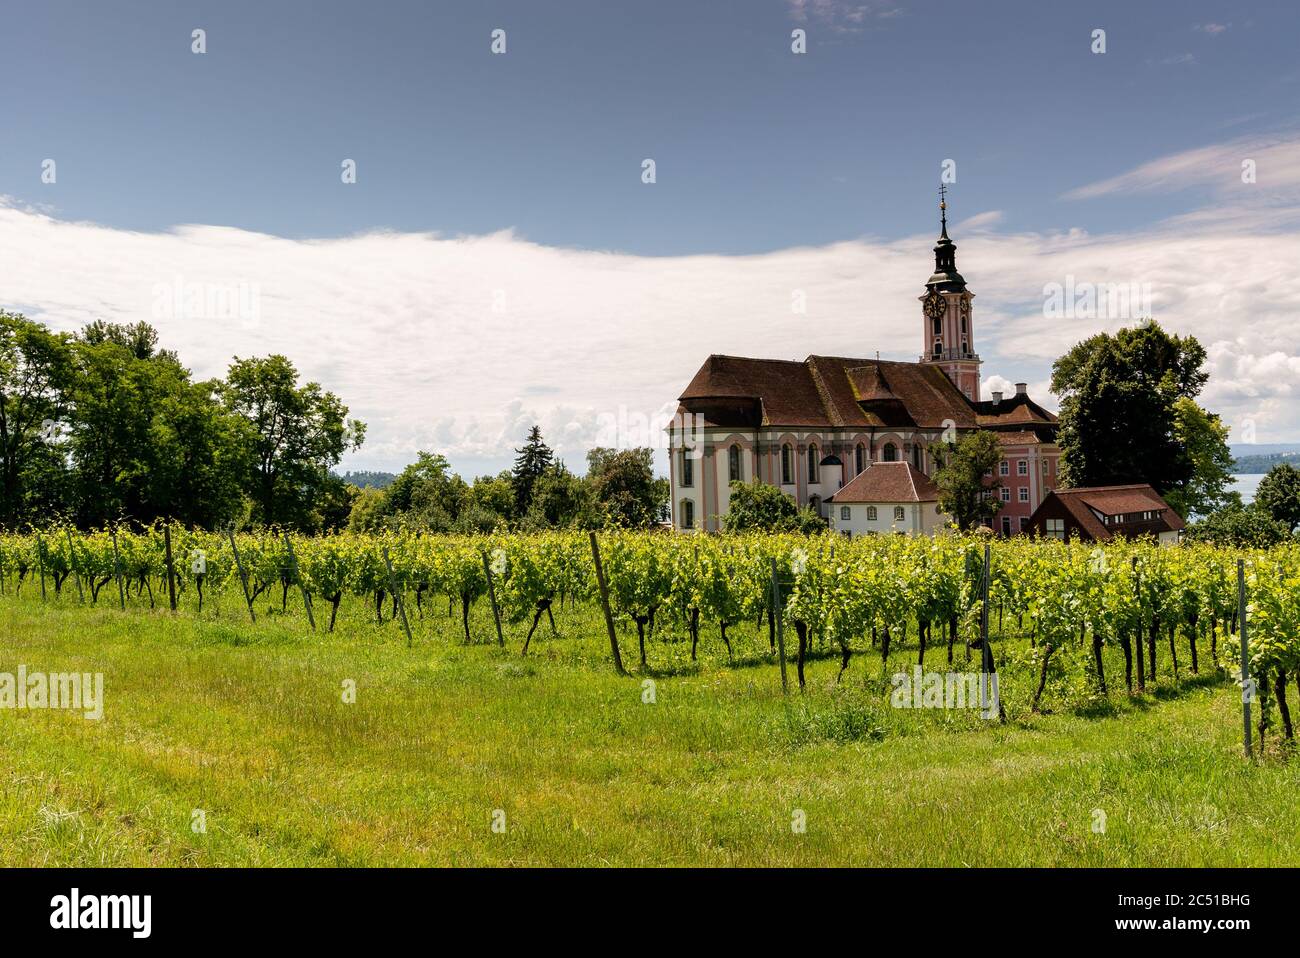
(688, 514)
(890, 452)
(787, 466)
(812, 464)
(963, 325)
(938, 325)
(859, 459)
(918, 457)
(733, 463)
(688, 469)
(938, 348)
(965, 348)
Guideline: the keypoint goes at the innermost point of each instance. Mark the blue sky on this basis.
(759, 152)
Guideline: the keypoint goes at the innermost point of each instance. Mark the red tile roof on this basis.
(832, 391)
(1115, 501)
(888, 482)
(1022, 437)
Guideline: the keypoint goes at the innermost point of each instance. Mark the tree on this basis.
(534, 459)
(558, 498)
(759, 507)
(425, 495)
(299, 434)
(199, 455)
(1118, 421)
(1204, 439)
(964, 491)
(120, 382)
(1279, 494)
(624, 490)
(35, 373)
(1239, 527)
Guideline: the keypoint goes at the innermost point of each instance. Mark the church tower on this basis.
(948, 337)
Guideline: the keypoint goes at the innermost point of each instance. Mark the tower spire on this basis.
(946, 277)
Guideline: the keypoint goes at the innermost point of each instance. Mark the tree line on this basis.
(539, 492)
(104, 426)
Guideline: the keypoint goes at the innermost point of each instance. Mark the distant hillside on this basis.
(369, 480)
(1261, 461)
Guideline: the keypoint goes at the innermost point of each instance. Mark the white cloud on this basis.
(843, 16)
(1213, 29)
(1219, 167)
(403, 327)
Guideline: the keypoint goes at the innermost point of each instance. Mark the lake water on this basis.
(1246, 484)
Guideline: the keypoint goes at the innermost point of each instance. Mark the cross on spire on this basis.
(943, 208)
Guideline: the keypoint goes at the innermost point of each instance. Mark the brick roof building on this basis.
(812, 427)
(1098, 513)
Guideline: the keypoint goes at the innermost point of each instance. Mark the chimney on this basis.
(997, 398)
(1021, 388)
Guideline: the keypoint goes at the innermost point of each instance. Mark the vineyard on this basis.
(1069, 625)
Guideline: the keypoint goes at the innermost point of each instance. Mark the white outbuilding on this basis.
(887, 497)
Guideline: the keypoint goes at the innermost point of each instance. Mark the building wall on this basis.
(1035, 484)
(919, 518)
(760, 456)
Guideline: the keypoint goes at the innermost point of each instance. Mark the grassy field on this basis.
(248, 724)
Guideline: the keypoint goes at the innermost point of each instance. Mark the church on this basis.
(812, 426)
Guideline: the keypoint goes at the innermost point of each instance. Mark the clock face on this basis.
(935, 306)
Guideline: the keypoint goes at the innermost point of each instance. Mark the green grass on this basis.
(247, 723)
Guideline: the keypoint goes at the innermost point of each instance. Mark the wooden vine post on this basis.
(604, 604)
(780, 630)
(492, 594)
(401, 599)
(117, 572)
(1245, 655)
(293, 564)
(990, 667)
(72, 561)
(243, 576)
(40, 562)
(171, 572)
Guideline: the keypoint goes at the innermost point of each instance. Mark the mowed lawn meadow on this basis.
(456, 754)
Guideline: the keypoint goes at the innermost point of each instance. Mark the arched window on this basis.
(918, 457)
(859, 459)
(938, 325)
(787, 466)
(965, 347)
(890, 453)
(733, 463)
(688, 514)
(688, 468)
(937, 348)
(812, 463)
